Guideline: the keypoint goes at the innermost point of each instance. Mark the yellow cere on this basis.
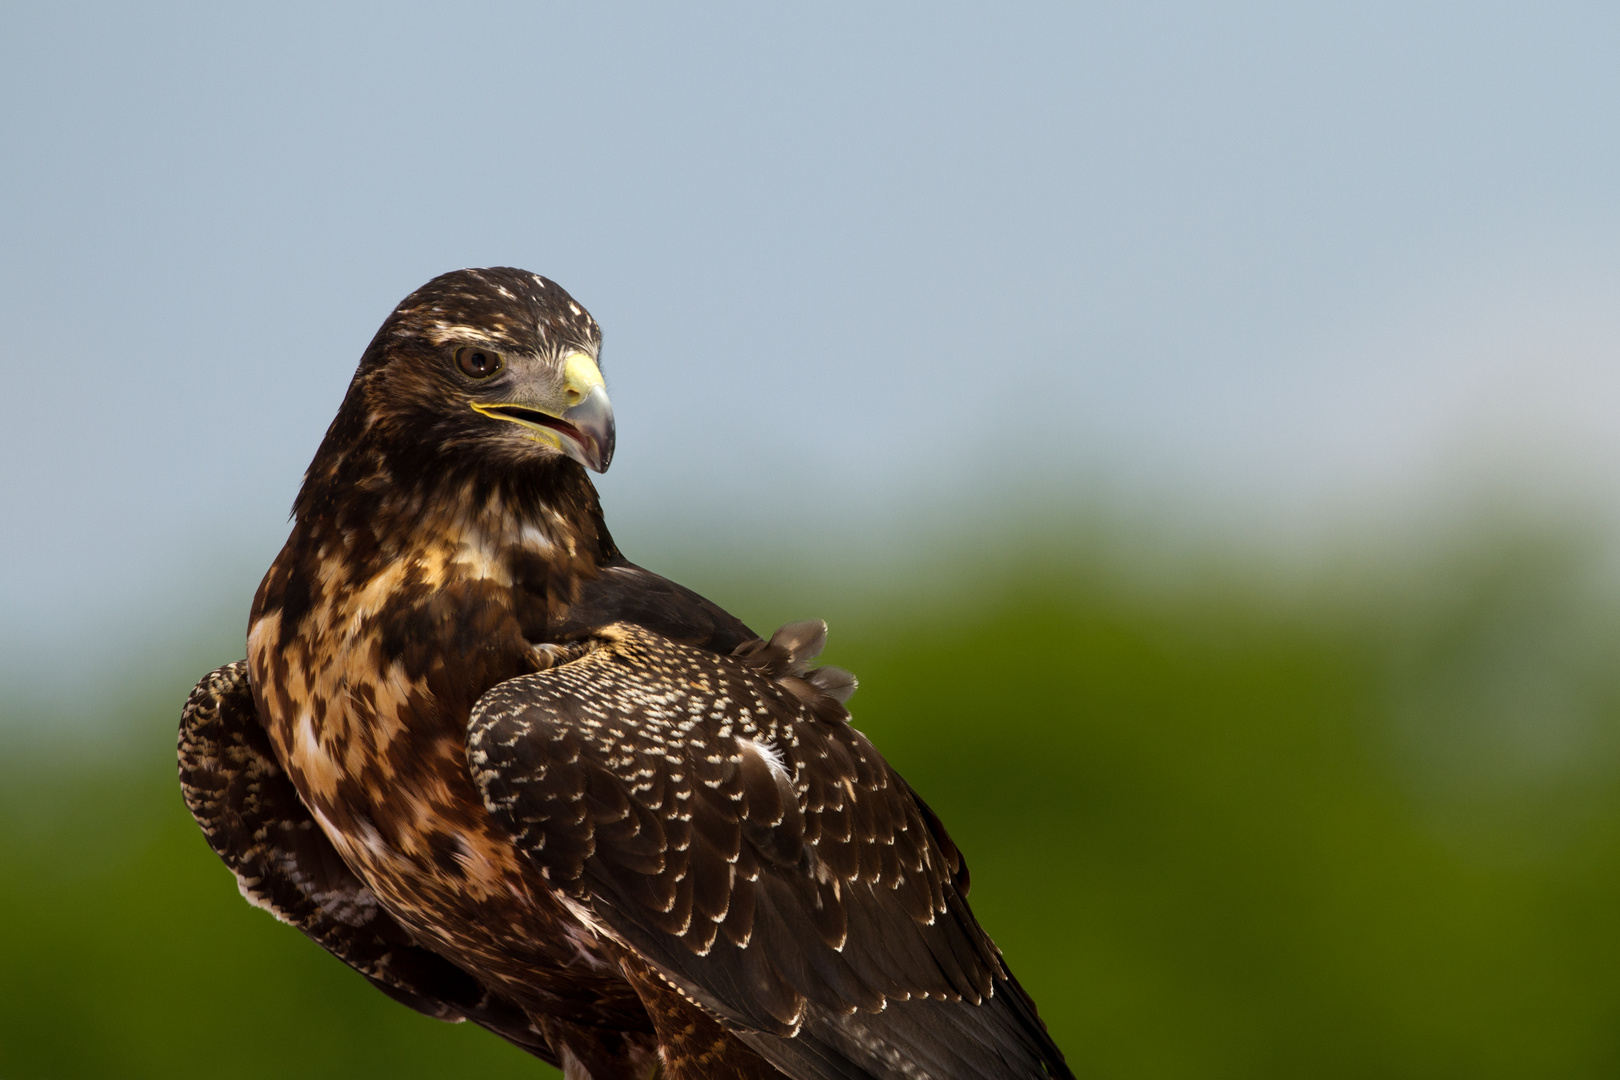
(580, 376)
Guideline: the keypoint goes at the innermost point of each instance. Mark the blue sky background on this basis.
(1275, 267)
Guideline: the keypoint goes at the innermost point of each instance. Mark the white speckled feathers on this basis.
(720, 817)
(511, 776)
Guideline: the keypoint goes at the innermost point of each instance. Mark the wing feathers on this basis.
(723, 818)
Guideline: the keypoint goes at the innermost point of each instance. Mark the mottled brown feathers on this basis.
(511, 777)
(255, 822)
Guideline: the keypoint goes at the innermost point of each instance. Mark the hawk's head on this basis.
(496, 365)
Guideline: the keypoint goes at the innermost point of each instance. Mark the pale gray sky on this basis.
(1287, 256)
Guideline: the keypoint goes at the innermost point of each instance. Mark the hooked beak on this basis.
(579, 422)
(592, 421)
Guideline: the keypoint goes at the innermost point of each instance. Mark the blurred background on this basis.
(1196, 421)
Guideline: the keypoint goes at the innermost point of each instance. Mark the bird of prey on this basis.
(512, 777)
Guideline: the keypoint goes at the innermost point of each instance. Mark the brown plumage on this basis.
(513, 778)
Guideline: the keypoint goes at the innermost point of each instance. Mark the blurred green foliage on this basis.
(1221, 826)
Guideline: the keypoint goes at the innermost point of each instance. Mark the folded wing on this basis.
(719, 818)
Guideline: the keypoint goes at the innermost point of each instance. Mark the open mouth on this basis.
(586, 435)
(536, 418)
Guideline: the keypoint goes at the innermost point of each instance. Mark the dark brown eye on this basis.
(477, 362)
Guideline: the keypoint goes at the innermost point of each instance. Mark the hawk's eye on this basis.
(477, 362)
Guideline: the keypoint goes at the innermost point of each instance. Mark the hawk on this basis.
(512, 777)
